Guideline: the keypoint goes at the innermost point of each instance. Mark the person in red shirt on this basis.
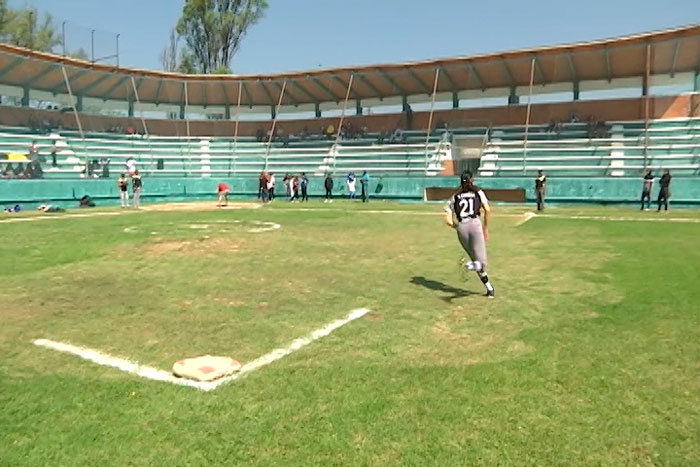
(223, 190)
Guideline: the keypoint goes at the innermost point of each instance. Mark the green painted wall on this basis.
(684, 190)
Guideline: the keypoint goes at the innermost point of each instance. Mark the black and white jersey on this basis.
(468, 204)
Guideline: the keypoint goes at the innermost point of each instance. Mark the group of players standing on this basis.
(136, 186)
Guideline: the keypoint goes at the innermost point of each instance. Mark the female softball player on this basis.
(464, 215)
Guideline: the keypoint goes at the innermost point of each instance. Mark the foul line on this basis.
(155, 374)
(61, 216)
(526, 217)
(622, 219)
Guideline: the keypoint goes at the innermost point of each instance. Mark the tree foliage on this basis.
(214, 29)
(25, 27)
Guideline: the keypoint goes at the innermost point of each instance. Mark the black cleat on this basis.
(491, 294)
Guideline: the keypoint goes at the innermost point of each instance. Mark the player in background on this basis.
(647, 185)
(136, 186)
(665, 192)
(304, 187)
(351, 182)
(328, 185)
(223, 190)
(123, 184)
(464, 215)
(540, 189)
(364, 181)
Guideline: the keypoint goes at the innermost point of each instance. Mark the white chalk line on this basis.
(62, 216)
(526, 217)
(621, 219)
(156, 374)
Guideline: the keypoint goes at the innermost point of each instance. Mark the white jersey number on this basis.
(466, 208)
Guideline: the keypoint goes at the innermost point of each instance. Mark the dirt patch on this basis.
(199, 247)
(198, 206)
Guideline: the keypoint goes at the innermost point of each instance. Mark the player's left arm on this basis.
(487, 213)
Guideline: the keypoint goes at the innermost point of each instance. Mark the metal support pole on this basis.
(430, 117)
(92, 44)
(63, 37)
(647, 72)
(77, 118)
(527, 115)
(274, 122)
(138, 101)
(238, 116)
(334, 149)
(187, 104)
(118, 50)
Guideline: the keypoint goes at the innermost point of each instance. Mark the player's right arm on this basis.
(487, 214)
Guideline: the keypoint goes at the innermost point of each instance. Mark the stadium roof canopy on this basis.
(659, 53)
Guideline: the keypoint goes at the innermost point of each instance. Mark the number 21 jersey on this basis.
(468, 204)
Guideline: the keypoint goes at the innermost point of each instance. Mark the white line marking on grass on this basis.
(118, 363)
(526, 217)
(61, 216)
(622, 219)
(167, 377)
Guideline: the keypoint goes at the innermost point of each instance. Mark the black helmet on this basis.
(466, 176)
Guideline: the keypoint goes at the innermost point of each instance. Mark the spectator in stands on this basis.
(8, 172)
(540, 189)
(123, 185)
(33, 151)
(54, 150)
(260, 135)
(304, 185)
(665, 191)
(34, 170)
(131, 166)
(287, 182)
(574, 118)
(351, 182)
(364, 181)
(136, 186)
(330, 131)
(328, 185)
(647, 185)
(19, 170)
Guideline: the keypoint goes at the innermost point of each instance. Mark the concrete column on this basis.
(404, 103)
(696, 82)
(577, 90)
(455, 100)
(182, 111)
(358, 107)
(131, 108)
(227, 112)
(273, 112)
(318, 110)
(79, 103)
(25, 97)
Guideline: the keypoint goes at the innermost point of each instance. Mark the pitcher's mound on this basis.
(205, 368)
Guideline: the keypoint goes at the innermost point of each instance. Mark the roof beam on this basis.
(345, 85)
(476, 76)
(608, 68)
(28, 83)
(420, 82)
(11, 66)
(448, 78)
(371, 86)
(391, 82)
(249, 100)
(324, 88)
(298, 87)
(287, 94)
(62, 82)
(509, 75)
(94, 84)
(675, 56)
(111, 90)
(538, 70)
(225, 92)
(267, 92)
(572, 67)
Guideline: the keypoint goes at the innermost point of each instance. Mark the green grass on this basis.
(589, 355)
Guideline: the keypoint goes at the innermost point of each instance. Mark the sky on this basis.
(308, 34)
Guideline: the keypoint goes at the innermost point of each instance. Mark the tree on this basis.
(80, 54)
(214, 29)
(26, 28)
(168, 57)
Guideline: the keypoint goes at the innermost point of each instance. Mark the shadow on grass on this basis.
(441, 287)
